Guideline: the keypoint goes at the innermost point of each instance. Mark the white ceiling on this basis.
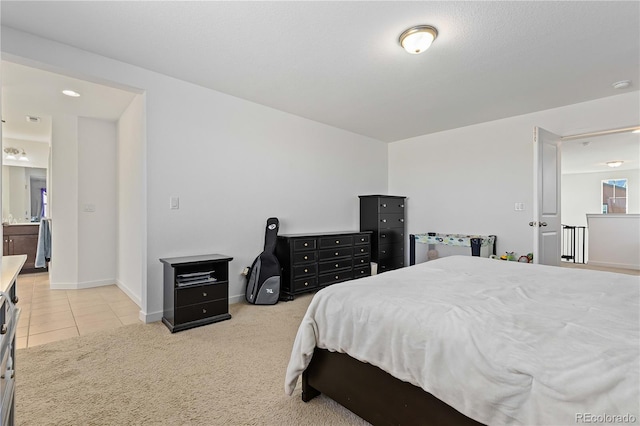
(339, 62)
(322, 77)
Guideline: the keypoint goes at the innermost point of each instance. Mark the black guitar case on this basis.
(263, 279)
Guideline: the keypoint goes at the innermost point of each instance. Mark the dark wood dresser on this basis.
(312, 261)
(196, 291)
(384, 216)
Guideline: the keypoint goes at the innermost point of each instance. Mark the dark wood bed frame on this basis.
(373, 394)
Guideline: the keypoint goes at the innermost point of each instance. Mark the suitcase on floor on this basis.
(263, 278)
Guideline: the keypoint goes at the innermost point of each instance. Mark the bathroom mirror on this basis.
(24, 194)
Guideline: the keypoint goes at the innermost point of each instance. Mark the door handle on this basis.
(532, 224)
(537, 223)
(543, 223)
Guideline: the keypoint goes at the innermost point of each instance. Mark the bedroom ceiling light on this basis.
(71, 93)
(614, 164)
(418, 39)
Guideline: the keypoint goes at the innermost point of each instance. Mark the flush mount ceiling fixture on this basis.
(71, 93)
(614, 164)
(623, 84)
(418, 39)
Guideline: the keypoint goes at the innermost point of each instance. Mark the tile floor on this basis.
(49, 315)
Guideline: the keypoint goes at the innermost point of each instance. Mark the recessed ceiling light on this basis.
(418, 39)
(623, 84)
(71, 93)
(615, 164)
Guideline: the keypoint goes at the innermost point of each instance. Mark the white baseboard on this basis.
(128, 292)
(150, 317)
(80, 285)
(236, 299)
(614, 265)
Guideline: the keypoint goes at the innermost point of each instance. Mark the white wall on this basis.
(467, 180)
(582, 192)
(63, 202)
(131, 211)
(233, 164)
(97, 192)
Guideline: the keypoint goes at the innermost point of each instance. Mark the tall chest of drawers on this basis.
(312, 261)
(384, 216)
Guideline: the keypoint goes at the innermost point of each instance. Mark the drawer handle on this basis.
(337, 241)
(337, 253)
(306, 270)
(204, 311)
(336, 277)
(401, 206)
(306, 244)
(361, 250)
(384, 221)
(337, 265)
(306, 284)
(361, 260)
(306, 257)
(383, 251)
(384, 205)
(362, 239)
(204, 294)
(383, 235)
(401, 220)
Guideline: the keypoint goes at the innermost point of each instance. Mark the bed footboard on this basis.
(373, 394)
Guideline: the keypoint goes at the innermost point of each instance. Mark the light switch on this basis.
(90, 208)
(174, 203)
(519, 207)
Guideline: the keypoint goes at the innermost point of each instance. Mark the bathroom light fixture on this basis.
(418, 39)
(71, 93)
(23, 156)
(11, 153)
(614, 164)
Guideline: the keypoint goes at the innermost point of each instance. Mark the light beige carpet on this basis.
(227, 373)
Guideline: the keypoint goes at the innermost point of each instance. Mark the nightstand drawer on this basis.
(304, 244)
(391, 263)
(391, 236)
(361, 261)
(300, 271)
(201, 311)
(304, 257)
(337, 241)
(391, 250)
(334, 266)
(336, 253)
(199, 294)
(361, 250)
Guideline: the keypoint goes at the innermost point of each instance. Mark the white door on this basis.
(546, 224)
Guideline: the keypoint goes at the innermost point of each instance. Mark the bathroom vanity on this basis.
(22, 238)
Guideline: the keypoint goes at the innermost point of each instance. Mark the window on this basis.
(614, 196)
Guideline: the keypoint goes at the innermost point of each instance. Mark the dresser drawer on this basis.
(361, 250)
(199, 294)
(337, 241)
(390, 264)
(335, 277)
(305, 283)
(390, 250)
(394, 220)
(391, 205)
(362, 239)
(361, 261)
(335, 265)
(201, 311)
(363, 271)
(301, 271)
(336, 253)
(304, 244)
(391, 236)
(304, 257)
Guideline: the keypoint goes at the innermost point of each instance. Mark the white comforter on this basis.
(501, 342)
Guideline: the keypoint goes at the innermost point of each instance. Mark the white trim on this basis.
(81, 285)
(148, 318)
(615, 265)
(236, 299)
(128, 292)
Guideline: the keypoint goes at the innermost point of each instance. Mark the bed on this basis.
(471, 340)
